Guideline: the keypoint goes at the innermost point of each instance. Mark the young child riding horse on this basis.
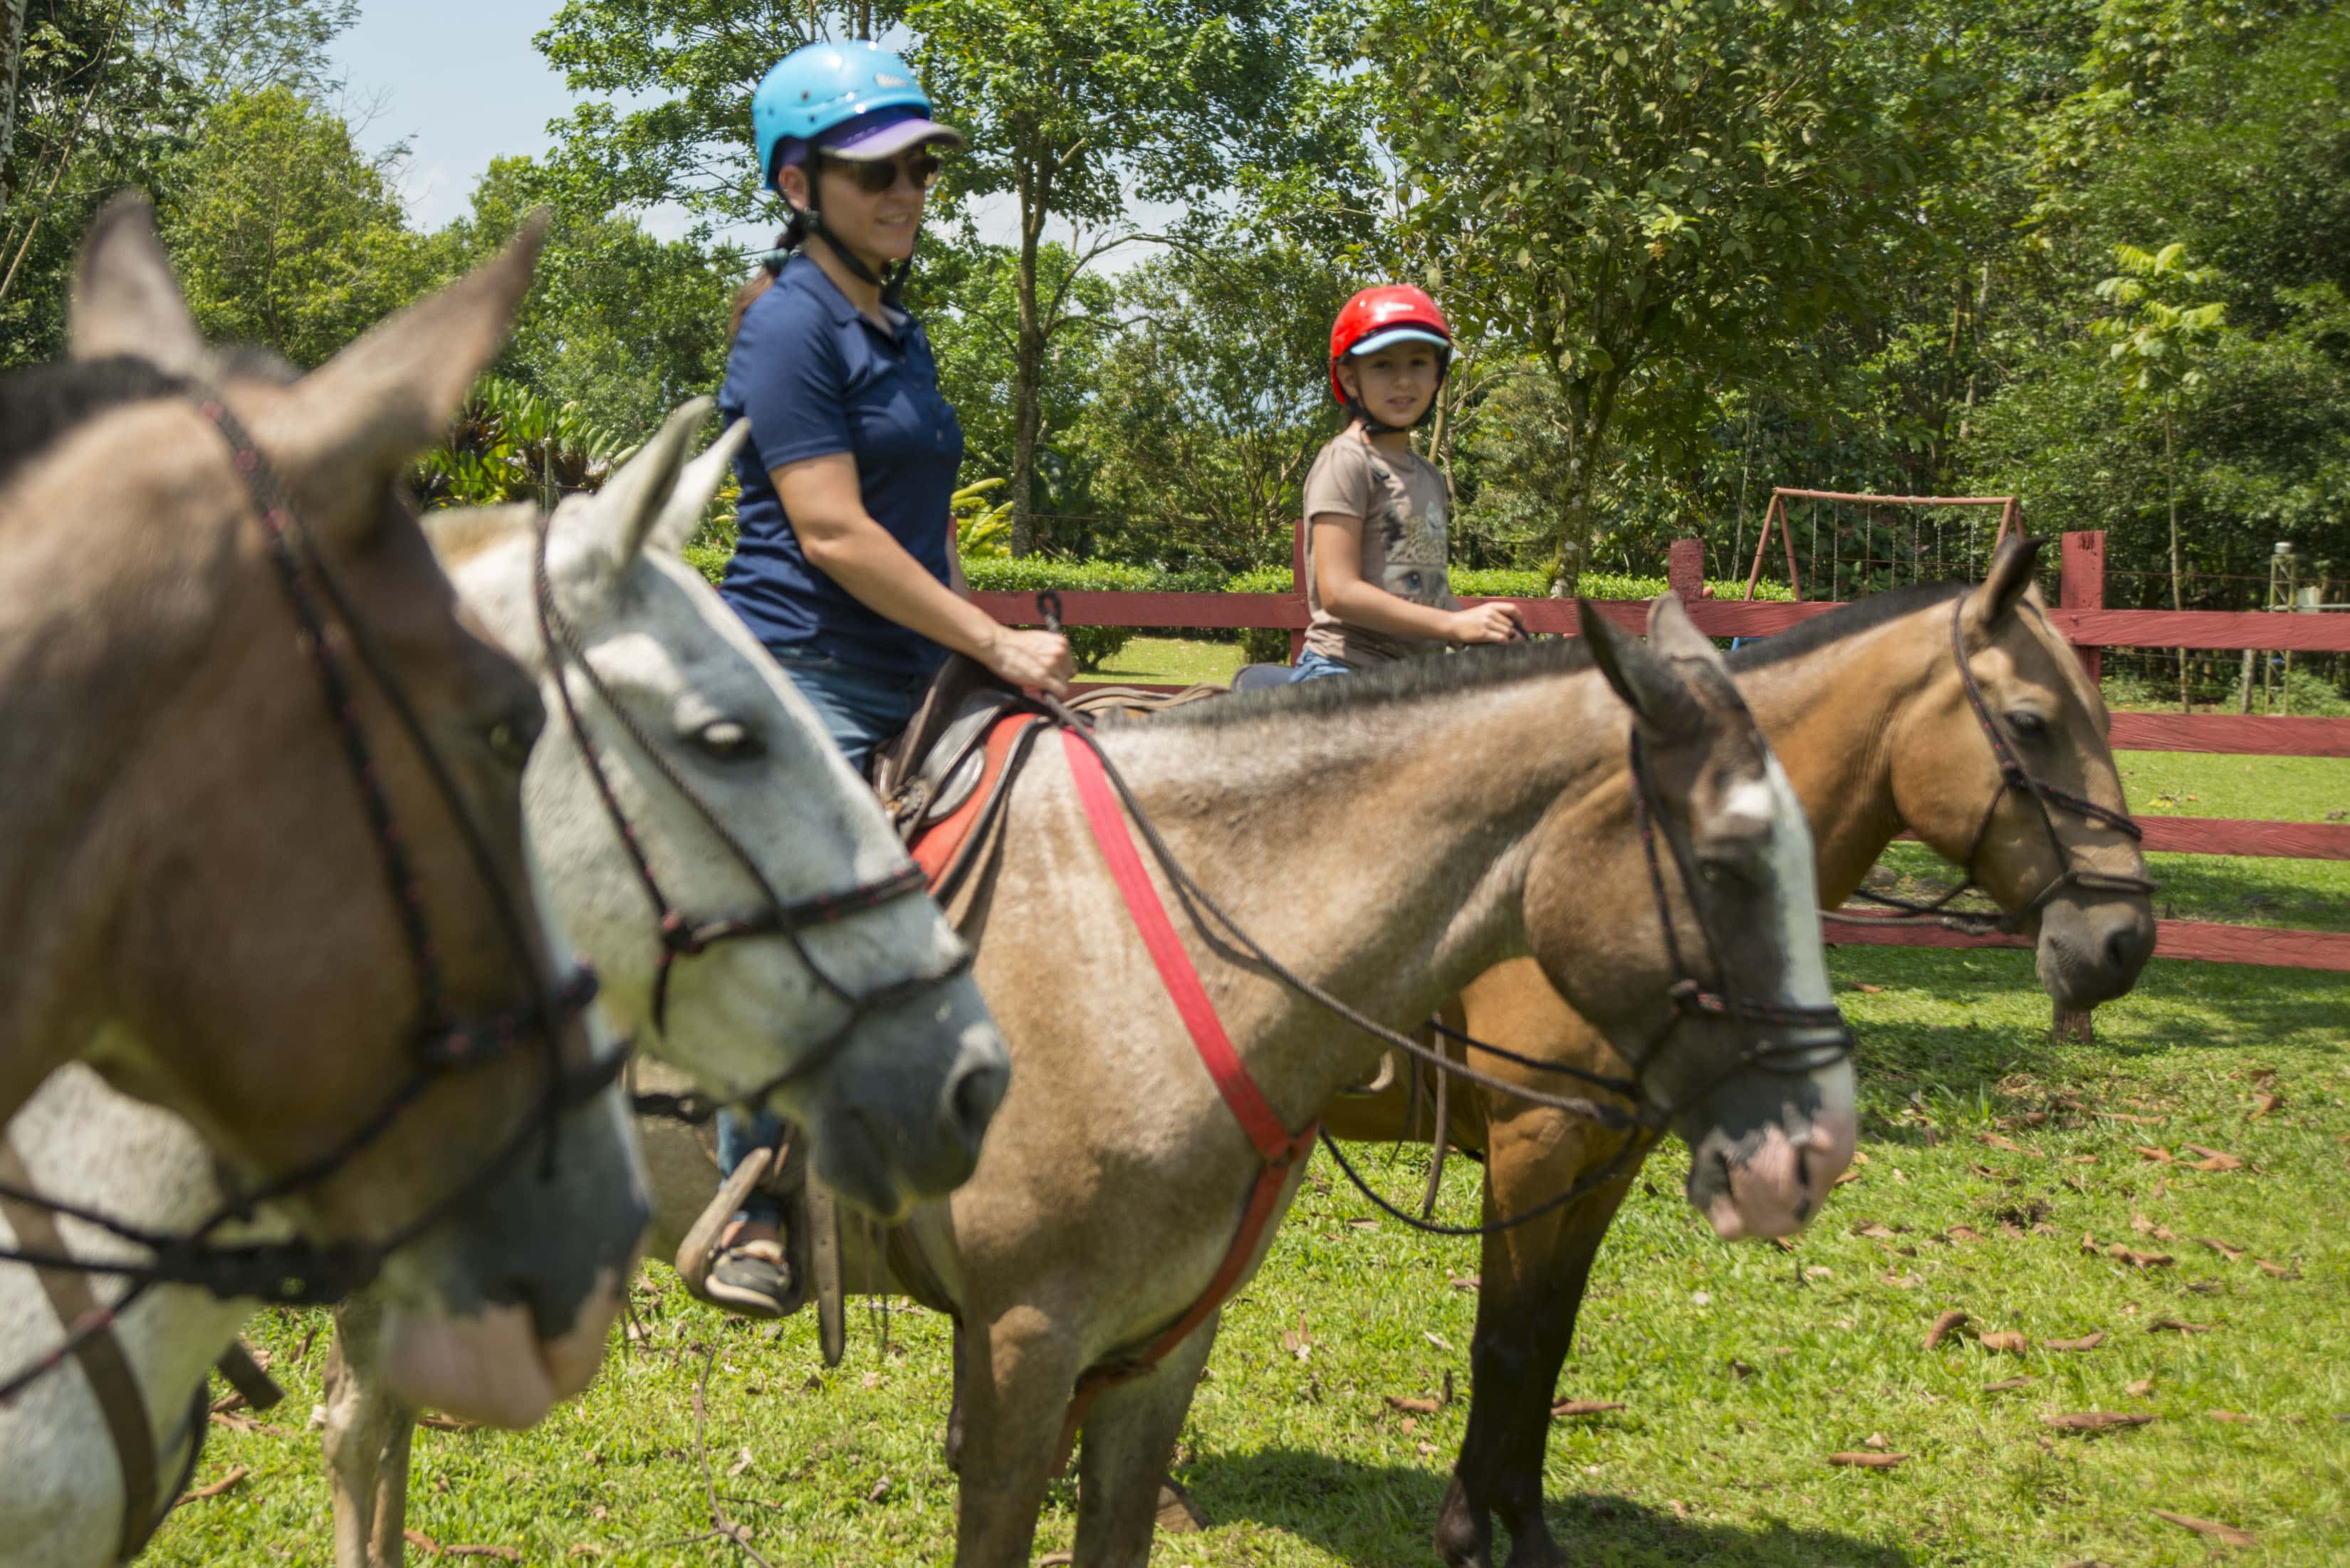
(1375, 509)
(845, 565)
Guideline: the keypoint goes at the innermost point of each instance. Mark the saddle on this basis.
(946, 780)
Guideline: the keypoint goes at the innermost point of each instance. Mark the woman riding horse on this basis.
(846, 566)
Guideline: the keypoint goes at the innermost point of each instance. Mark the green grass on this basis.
(1298, 1463)
(1171, 661)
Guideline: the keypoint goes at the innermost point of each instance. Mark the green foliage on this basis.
(284, 233)
(507, 443)
(248, 45)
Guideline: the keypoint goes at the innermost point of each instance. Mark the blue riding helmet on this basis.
(855, 99)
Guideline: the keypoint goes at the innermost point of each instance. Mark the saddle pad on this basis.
(948, 849)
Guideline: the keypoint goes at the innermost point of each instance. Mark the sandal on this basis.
(753, 1279)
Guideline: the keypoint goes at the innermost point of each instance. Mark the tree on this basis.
(12, 58)
(1664, 198)
(93, 114)
(285, 234)
(1073, 109)
(248, 45)
(2154, 346)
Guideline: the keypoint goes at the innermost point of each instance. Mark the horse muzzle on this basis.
(1771, 1177)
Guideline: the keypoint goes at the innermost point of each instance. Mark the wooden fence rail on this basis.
(2081, 617)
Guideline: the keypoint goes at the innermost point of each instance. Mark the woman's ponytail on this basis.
(770, 264)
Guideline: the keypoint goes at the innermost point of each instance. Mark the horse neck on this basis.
(1379, 851)
(1833, 717)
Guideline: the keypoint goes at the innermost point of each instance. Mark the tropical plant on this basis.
(509, 443)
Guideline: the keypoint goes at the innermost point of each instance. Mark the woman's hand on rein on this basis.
(1035, 659)
(1494, 622)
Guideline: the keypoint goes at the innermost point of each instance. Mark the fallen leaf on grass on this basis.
(215, 1489)
(1297, 1341)
(1865, 988)
(2225, 1251)
(1847, 1176)
(432, 1548)
(1412, 1404)
(2275, 1270)
(1867, 1461)
(2150, 1152)
(1963, 1233)
(440, 1423)
(2005, 1339)
(1943, 1324)
(2226, 1534)
(2125, 1116)
(2008, 1385)
(2177, 1326)
(2263, 1104)
(2227, 1416)
(1877, 1440)
(2138, 1260)
(2213, 1159)
(2146, 1227)
(2010, 1144)
(2096, 1420)
(2142, 1389)
(1873, 1231)
(740, 1465)
(1565, 1407)
(1437, 1340)
(880, 1491)
(1740, 1369)
(2086, 1341)
(1819, 1271)
(1466, 1282)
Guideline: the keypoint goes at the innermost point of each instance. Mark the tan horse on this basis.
(1390, 837)
(1867, 709)
(331, 963)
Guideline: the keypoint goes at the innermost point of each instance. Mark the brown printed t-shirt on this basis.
(1401, 503)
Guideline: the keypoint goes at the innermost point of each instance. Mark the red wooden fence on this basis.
(2081, 617)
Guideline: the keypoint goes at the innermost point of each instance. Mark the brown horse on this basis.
(1464, 809)
(307, 926)
(1868, 708)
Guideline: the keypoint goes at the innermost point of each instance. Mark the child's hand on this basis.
(1486, 623)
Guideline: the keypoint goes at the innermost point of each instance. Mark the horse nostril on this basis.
(2125, 947)
(971, 1098)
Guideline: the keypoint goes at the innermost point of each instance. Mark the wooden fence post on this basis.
(1685, 569)
(2081, 586)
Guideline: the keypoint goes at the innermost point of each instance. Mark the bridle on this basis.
(301, 1271)
(682, 936)
(1690, 999)
(2047, 799)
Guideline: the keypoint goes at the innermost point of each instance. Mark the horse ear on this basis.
(125, 299)
(697, 482)
(366, 412)
(2002, 588)
(623, 514)
(1656, 695)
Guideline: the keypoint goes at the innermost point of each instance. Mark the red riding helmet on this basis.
(1381, 317)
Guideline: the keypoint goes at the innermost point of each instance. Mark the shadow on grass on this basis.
(1384, 1516)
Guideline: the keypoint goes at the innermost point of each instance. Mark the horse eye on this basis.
(511, 738)
(1718, 871)
(2024, 721)
(726, 741)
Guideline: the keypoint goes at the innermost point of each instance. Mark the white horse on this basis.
(894, 1072)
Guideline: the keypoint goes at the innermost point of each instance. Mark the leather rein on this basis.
(2047, 799)
(682, 936)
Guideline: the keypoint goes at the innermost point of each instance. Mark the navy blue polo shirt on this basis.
(815, 376)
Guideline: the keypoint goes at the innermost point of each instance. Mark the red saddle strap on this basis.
(1278, 1149)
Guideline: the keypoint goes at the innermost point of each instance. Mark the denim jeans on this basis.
(861, 710)
(1313, 666)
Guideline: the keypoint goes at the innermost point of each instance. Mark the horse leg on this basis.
(953, 1443)
(1530, 1288)
(367, 1439)
(1013, 1394)
(1129, 1435)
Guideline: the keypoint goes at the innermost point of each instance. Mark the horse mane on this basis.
(40, 403)
(1398, 681)
(1845, 621)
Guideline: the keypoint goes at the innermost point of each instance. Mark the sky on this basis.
(459, 80)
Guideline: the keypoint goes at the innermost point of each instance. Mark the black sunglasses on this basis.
(875, 176)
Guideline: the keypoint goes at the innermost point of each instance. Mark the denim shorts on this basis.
(861, 709)
(1310, 665)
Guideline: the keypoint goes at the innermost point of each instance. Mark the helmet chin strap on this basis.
(892, 285)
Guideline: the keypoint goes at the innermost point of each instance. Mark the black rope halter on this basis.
(301, 1271)
(2047, 799)
(681, 935)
